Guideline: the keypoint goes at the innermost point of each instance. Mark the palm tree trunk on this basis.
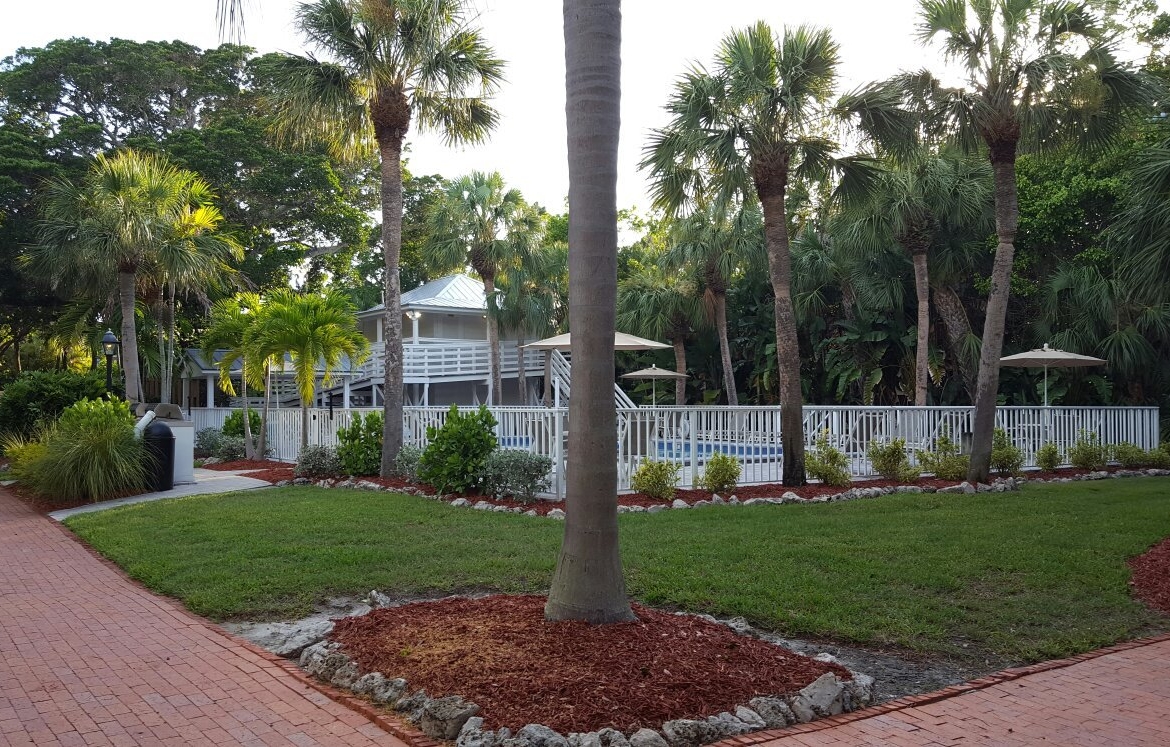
(680, 365)
(391, 152)
(521, 372)
(129, 336)
(249, 449)
(167, 370)
(493, 340)
(724, 350)
(262, 441)
(588, 583)
(921, 360)
(958, 327)
(1007, 215)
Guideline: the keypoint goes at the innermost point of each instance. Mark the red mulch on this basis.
(256, 464)
(500, 653)
(1151, 576)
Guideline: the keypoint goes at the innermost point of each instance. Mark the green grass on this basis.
(1011, 576)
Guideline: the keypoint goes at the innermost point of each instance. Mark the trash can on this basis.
(184, 433)
(160, 457)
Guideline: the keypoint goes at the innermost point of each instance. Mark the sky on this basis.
(661, 38)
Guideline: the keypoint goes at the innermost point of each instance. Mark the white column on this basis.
(378, 331)
(414, 317)
(186, 402)
(426, 394)
(345, 392)
(211, 391)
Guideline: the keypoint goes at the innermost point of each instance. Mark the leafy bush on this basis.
(233, 424)
(656, 479)
(508, 472)
(1006, 457)
(946, 461)
(229, 448)
(827, 464)
(721, 474)
(1048, 457)
(359, 447)
(1088, 452)
(406, 463)
(22, 451)
(317, 461)
(890, 461)
(207, 442)
(38, 397)
(1132, 456)
(89, 454)
(453, 460)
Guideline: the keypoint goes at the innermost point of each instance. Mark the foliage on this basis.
(1048, 457)
(22, 452)
(1006, 457)
(721, 474)
(207, 441)
(454, 458)
(891, 462)
(519, 474)
(39, 397)
(1132, 456)
(656, 479)
(828, 464)
(230, 449)
(233, 424)
(1088, 452)
(359, 447)
(317, 461)
(946, 461)
(406, 463)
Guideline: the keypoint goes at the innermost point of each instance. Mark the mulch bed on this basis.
(1151, 576)
(261, 469)
(500, 653)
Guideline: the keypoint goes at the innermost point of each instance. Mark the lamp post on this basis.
(110, 349)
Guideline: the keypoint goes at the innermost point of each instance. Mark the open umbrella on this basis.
(654, 373)
(1046, 358)
(621, 341)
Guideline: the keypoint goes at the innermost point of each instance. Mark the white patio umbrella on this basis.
(621, 341)
(654, 373)
(1046, 358)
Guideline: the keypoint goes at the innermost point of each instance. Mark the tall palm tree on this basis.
(228, 326)
(588, 584)
(1038, 73)
(313, 329)
(661, 304)
(388, 62)
(479, 223)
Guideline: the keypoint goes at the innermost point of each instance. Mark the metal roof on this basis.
(452, 294)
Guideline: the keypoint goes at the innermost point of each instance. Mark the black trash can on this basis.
(160, 457)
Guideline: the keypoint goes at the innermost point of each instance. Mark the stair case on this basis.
(562, 377)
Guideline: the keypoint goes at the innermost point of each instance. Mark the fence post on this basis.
(694, 448)
(559, 451)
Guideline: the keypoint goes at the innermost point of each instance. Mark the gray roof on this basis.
(452, 294)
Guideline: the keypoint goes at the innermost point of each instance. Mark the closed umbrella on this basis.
(654, 373)
(1046, 357)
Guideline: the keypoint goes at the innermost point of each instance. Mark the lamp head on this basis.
(109, 344)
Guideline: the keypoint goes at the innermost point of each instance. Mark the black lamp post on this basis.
(110, 349)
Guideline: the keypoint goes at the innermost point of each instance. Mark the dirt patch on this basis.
(1151, 576)
(500, 653)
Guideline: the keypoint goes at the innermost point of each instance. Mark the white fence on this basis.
(689, 435)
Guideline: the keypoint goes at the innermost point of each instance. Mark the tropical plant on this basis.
(1087, 452)
(317, 461)
(456, 452)
(359, 447)
(661, 303)
(386, 62)
(1006, 457)
(38, 397)
(227, 330)
(406, 463)
(889, 460)
(656, 479)
(1048, 457)
(721, 474)
(233, 424)
(828, 464)
(508, 472)
(946, 461)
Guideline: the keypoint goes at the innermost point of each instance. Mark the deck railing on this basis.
(689, 435)
(432, 359)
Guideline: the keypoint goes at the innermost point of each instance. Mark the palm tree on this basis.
(661, 304)
(130, 210)
(1037, 73)
(313, 329)
(388, 62)
(531, 301)
(480, 224)
(588, 583)
(227, 329)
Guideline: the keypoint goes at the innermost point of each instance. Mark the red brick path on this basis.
(88, 657)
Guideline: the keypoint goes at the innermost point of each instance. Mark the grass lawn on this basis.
(1012, 576)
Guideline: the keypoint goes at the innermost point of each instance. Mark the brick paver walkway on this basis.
(1118, 697)
(88, 657)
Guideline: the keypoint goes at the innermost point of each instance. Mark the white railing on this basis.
(689, 435)
(433, 358)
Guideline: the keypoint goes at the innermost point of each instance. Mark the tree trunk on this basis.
(921, 346)
(167, 369)
(262, 441)
(129, 336)
(1007, 214)
(305, 423)
(521, 373)
(588, 583)
(249, 448)
(724, 349)
(391, 153)
(958, 327)
(680, 365)
(493, 335)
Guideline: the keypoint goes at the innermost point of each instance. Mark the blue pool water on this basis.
(682, 450)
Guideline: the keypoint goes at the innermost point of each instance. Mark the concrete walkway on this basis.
(206, 481)
(88, 657)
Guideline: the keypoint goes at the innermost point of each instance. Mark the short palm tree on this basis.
(661, 303)
(387, 63)
(228, 325)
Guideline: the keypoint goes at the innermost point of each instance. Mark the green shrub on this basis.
(1132, 456)
(406, 463)
(827, 464)
(317, 461)
(721, 474)
(90, 454)
(508, 472)
(233, 424)
(38, 397)
(1006, 457)
(207, 442)
(656, 479)
(22, 451)
(946, 461)
(890, 461)
(1088, 452)
(359, 447)
(453, 460)
(1048, 457)
(229, 448)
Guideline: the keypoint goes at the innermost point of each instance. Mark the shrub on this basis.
(1006, 457)
(406, 463)
(946, 461)
(827, 464)
(38, 397)
(656, 479)
(22, 451)
(890, 461)
(229, 448)
(1132, 456)
(453, 460)
(508, 472)
(1048, 457)
(1088, 452)
(233, 424)
(317, 461)
(207, 442)
(359, 447)
(721, 474)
